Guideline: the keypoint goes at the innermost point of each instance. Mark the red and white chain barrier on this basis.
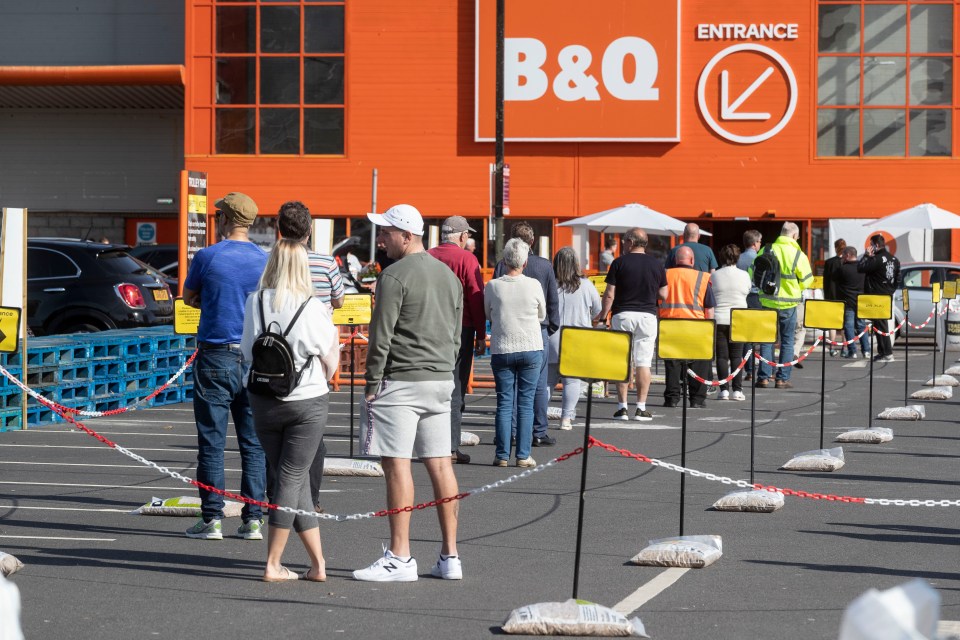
(835, 343)
(925, 322)
(815, 344)
(888, 333)
(733, 374)
(59, 408)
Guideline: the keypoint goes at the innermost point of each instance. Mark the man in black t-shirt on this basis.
(635, 282)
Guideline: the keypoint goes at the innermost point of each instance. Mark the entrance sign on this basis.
(357, 309)
(731, 101)
(611, 72)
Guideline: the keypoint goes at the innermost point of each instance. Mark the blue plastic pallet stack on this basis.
(96, 372)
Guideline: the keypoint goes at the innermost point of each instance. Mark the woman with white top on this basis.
(730, 288)
(515, 307)
(290, 428)
(579, 303)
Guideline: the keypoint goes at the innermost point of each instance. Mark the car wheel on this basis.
(81, 327)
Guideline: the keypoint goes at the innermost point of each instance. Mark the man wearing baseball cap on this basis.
(414, 339)
(451, 251)
(220, 279)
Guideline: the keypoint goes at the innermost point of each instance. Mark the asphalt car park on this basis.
(94, 570)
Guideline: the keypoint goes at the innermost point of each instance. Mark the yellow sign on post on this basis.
(823, 314)
(935, 295)
(357, 309)
(9, 329)
(906, 300)
(817, 283)
(753, 326)
(600, 282)
(682, 339)
(950, 289)
(874, 306)
(186, 319)
(595, 354)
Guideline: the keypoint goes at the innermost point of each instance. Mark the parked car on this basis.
(918, 278)
(165, 258)
(82, 286)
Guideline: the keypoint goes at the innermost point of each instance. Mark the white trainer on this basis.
(738, 396)
(724, 395)
(566, 424)
(389, 568)
(449, 568)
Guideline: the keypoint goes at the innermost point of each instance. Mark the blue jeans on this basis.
(786, 325)
(218, 393)
(851, 327)
(516, 376)
(542, 398)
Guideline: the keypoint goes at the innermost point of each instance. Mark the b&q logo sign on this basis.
(575, 70)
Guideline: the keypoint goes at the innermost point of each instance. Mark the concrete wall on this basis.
(91, 32)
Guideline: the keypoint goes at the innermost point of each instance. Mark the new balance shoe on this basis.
(251, 530)
(204, 530)
(621, 414)
(724, 395)
(738, 396)
(643, 415)
(448, 568)
(389, 568)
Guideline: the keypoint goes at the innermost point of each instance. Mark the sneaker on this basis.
(566, 424)
(448, 568)
(500, 463)
(724, 395)
(834, 353)
(784, 384)
(204, 530)
(526, 463)
(738, 396)
(887, 358)
(389, 568)
(698, 405)
(711, 390)
(544, 441)
(850, 356)
(643, 415)
(621, 414)
(251, 530)
(867, 355)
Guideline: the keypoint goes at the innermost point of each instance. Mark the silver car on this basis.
(918, 278)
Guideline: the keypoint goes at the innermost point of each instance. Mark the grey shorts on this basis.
(407, 419)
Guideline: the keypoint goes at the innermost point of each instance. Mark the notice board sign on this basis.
(357, 309)
(193, 219)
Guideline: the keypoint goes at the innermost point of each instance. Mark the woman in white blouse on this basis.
(730, 288)
(290, 428)
(515, 307)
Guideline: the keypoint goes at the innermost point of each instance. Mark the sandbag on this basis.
(876, 435)
(942, 381)
(693, 552)
(572, 618)
(933, 393)
(187, 506)
(554, 413)
(350, 467)
(753, 501)
(9, 564)
(954, 370)
(910, 610)
(910, 412)
(468, 439)
(818, 460)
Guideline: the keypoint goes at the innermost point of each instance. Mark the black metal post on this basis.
(683, 439)
(906, 357)
(946, 321)
(753, 409)
(936, 321)
(498, 167)
(583, 488)
(823, 384)
(870, 403)
(352, 371)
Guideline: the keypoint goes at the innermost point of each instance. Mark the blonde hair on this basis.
(288, 274)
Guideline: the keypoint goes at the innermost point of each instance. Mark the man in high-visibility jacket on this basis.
(689, 295)
(795, 276)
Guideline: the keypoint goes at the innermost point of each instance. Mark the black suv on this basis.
(76, 285)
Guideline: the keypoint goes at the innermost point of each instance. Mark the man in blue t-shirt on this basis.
(220, 279)
(703, 258)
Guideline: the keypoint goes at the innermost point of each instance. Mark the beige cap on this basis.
(239, 208)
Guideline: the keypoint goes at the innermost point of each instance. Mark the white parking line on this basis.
(626, 426)
(649, 591)
(20, 506)
(55, 538)
(99, 486)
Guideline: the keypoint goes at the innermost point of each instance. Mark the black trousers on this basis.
(884, 344)
(696, 391)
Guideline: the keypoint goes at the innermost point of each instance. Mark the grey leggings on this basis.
(290, 434)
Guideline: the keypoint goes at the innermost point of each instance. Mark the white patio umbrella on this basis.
(622, 219)
(923, 216)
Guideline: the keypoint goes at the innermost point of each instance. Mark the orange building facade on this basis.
(736, 115)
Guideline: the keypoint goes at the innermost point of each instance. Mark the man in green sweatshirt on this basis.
(414, 340)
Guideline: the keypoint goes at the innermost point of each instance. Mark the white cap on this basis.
(401, 216)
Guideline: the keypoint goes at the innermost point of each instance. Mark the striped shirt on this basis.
(325, 275)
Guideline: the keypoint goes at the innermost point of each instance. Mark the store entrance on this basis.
(731, 231)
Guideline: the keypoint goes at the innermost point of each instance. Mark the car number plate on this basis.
(161, 295)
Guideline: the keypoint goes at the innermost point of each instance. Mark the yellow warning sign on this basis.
(906, 300)
(935, 295)
(357, 309)
(817, 282)
(754, 326)
(950, 289)
(823, 314)
(600, 282)
(186, 319)
(875, 306)
(681, 339)
(9, 329)
(595, 354)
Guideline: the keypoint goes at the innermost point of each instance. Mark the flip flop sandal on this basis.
(303, 576)
(287, 575)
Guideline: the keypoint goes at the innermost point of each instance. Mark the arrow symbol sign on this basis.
(728, 111)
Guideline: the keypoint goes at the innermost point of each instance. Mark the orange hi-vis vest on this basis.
(686, 292)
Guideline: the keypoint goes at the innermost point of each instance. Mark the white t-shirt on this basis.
(730, 288)
(311, 336)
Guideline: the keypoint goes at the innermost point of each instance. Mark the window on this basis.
(885, 78)
(46, 263)
(279, 77)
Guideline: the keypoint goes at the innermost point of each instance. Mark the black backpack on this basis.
(273, 372)
(766, 271)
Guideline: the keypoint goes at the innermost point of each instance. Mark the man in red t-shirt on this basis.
(473, 338)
